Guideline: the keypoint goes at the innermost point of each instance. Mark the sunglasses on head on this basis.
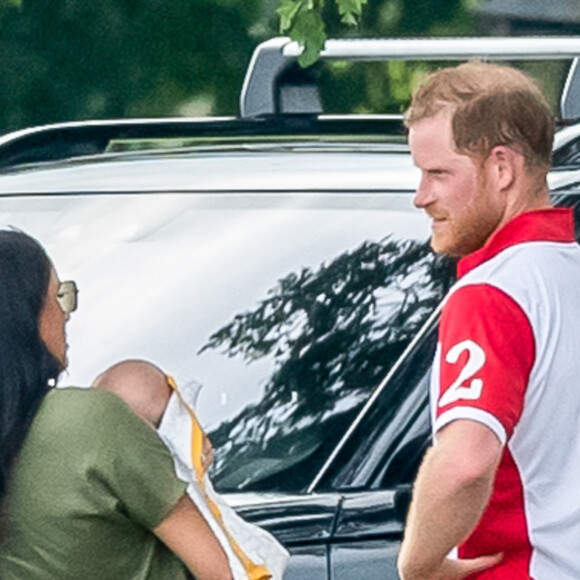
(67, 296)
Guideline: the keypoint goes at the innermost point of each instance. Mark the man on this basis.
(501, 481)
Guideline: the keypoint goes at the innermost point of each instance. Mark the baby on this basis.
(141, 385)
(146, 389)
(253, 553)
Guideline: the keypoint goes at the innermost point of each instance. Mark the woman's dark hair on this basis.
(27, 369)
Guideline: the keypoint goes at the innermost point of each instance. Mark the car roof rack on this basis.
(279, 98)
(90, 138)
(275, 84)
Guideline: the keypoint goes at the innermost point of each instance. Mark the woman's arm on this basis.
(186, 533)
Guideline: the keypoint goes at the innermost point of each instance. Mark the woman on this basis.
(87, 489)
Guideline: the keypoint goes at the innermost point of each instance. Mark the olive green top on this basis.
(91, 482)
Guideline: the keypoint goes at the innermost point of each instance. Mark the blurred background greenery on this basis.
(64, 60)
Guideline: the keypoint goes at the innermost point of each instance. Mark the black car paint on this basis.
(357, 534)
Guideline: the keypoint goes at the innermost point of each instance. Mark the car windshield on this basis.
(277, 313)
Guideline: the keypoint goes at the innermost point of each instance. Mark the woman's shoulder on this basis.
(81, 397)
(74, 405)
(91, 422)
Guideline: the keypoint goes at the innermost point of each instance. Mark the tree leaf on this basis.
(310, 32)
(350, 10)
(287, 12)
(349, 18)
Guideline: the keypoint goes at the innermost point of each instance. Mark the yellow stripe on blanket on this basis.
(254, 571)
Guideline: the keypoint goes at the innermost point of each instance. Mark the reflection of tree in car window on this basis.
(334, 333)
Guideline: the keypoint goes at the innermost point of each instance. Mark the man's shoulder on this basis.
(522, 269)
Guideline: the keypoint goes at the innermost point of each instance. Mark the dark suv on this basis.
(275, 265)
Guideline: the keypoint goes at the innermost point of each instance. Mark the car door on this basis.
(351, 523)
(303, 523)
(377, 465)
(367, 536)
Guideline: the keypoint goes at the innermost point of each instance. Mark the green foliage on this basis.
(303, 21)
(65, 60)
(308, 28)
(350, 10)
(287, 11)
(385, 87)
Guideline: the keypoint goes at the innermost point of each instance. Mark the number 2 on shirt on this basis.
(475, 361)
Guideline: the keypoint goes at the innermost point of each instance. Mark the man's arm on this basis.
(451, 492)
(186, 533)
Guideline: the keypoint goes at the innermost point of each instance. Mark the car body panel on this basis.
(170, 246)
(267, 168)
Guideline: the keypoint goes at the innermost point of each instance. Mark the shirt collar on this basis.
(546, 225)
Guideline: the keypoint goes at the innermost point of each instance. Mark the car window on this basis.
(570, 198)
(277, 313)
(387, 443)
(567, 155)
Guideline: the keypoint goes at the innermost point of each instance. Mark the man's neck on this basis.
(531, 195)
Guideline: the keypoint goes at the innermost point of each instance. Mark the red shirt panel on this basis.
(487, 352)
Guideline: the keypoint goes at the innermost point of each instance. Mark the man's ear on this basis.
(503, 164)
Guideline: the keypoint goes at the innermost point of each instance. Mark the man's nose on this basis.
(424, 195)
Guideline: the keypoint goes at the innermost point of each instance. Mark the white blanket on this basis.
(253, 553)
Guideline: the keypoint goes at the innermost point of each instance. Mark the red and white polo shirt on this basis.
(509, 357)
